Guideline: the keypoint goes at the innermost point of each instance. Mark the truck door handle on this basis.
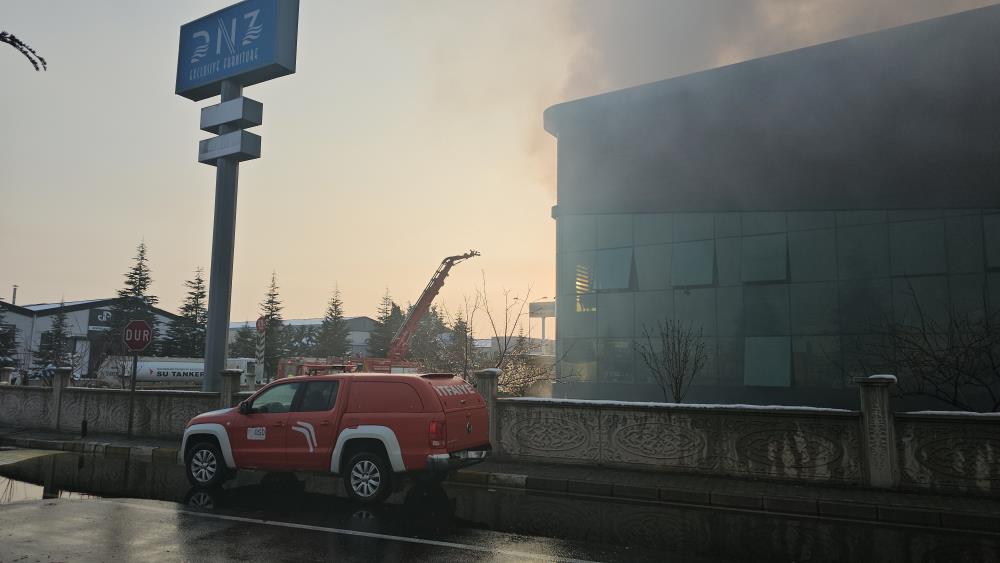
(279, 423)
(325, 423)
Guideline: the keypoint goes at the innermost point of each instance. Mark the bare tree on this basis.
(34, 58)
(674, 354)
(953, 358)
(517, 357)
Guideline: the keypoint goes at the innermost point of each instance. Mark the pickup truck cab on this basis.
(364, 427)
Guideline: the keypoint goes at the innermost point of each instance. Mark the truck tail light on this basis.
(438, 434)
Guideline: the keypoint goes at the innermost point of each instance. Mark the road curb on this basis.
(787, 505)
(148, 454)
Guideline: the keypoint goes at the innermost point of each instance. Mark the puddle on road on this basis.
(651, 530)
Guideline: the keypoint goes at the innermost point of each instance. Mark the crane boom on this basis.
(401, 340)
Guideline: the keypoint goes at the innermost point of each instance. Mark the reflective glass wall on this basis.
(783, 299)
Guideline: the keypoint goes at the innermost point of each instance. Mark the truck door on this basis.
(258, 438)
(313, 426)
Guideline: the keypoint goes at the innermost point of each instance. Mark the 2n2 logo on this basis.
(226, 35)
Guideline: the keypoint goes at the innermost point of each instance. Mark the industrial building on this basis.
(359, 330)
(785, 207)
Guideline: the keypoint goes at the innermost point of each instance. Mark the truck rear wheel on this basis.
(368, 478)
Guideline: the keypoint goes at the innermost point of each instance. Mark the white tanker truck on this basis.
(157, 372)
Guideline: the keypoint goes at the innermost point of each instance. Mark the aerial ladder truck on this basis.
(400, 343)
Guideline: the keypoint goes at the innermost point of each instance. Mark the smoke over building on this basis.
(787, 207)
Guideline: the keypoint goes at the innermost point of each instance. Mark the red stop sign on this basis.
(138, 335)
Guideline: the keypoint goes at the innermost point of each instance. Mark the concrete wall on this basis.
(30, 407)
(779, 444)
(949, 452)
(156, 413)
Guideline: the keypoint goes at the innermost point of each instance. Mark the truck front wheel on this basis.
(368, 478)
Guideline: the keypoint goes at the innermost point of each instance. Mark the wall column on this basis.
(878, 432)
(486, 383)
(60, 381)
(5, 375)
(230, 385)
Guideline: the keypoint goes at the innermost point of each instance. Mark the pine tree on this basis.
(244, 344)
(274, 337)
(390, 318)
(55, 345)
(459, 350)
(332, 339)
(8, 342)
(186, 336)
(134, 302)
(427, 345)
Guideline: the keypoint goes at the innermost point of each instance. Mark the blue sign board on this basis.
(249, 42)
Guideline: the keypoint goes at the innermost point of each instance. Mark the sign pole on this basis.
(220, 285)
(131, 391)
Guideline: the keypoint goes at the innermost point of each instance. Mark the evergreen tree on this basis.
(459, 348)
(8, 343)
(274, 337)
(55, 344)
(134, 302)
(427, 345)
(244, 344)
(186, 336)
(300, 341)
(390, 318)
(332, 337)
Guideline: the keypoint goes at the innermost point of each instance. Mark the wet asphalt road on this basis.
(71, 507)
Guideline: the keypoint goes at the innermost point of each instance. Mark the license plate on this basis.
(257, 433)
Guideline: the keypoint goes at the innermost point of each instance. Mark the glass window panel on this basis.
(968, 296)
(728, 225)
(764, 258)
(579, 232)
(864, 355)
(652, 266)
(864, 305)
(760, 223)
(693, 226)
(653, 228)
(993, 281)
(991, 232)
(729, 253)
(615, 315)
(318, 396)
(729, 311)
(852, 218)
(614, 268)
(816, 362)
(576, 316)
(915, 215)
(813, 255)
(614, 231)
(696, 308)
(768, 361)
(616, 361)
(863, 252)
(277, 399)
(808, 220)
(692, 263)
(765, 309)
(916, 299)
(652, 307)
(709, 373)
(814, 308)
(579, 359)
(576, 272)
(917, 247)
(730, 361)
(965, 245)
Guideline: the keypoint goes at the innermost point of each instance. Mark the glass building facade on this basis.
(785, 301)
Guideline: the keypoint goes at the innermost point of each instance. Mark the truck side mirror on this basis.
(244, 407)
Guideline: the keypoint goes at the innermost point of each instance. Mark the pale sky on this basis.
(410, 131)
